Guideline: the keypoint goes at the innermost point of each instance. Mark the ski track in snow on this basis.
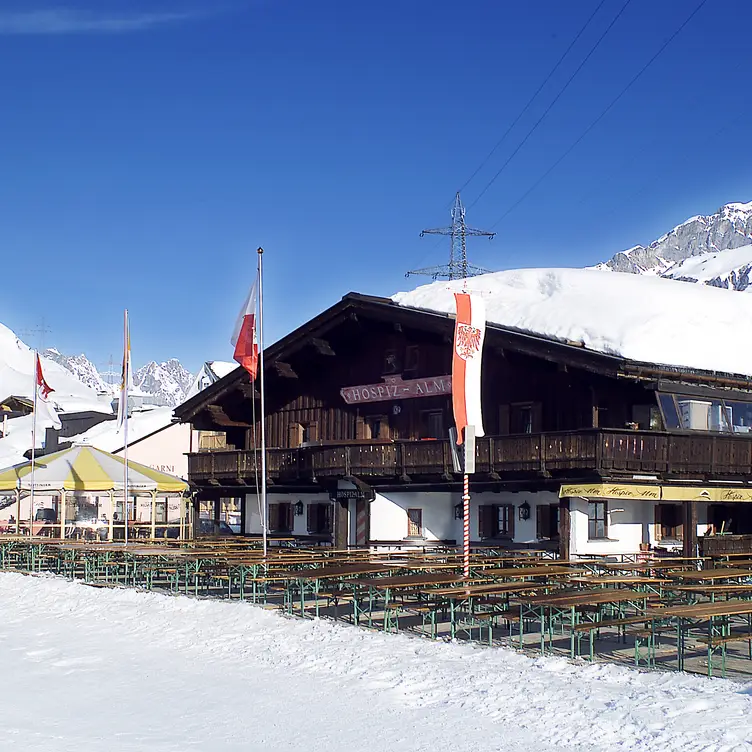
(87, 669)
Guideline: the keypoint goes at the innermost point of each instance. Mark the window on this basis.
(496, 520)
(412, 359)
(378, 427)
(669, 411)
(280, 517)
(668, 520)
(392, 362)
(432, 424)
(414, 523)
(597, 520)
(525, 418)
(320, 518)
(547, 521)
(704, 413)
(309, 432)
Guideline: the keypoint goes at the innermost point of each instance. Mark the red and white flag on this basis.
(245, 338)
(44, 409)
(469, 332)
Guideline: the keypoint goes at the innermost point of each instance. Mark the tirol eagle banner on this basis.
(469, 333)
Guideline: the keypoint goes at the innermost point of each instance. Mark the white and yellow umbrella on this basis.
(84, 468)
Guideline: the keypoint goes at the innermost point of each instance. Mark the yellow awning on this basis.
(656, 493)
(612, 491)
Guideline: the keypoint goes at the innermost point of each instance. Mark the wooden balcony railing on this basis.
(565, 453)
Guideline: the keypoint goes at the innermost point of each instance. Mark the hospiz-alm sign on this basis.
(397, 388)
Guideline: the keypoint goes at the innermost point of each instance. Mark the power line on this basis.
(600, 117)
(551, 105)
(532, 99)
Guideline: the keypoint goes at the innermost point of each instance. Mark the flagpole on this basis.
(264, 507)
(34, 445)
(124, 397)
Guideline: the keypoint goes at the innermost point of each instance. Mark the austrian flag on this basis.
(469, 332)
(244, 338)
(43, 408)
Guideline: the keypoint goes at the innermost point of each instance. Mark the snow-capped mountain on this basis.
(167, 382)
(730, 228)
(84, 370)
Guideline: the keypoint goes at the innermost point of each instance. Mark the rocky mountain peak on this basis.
(729, 228)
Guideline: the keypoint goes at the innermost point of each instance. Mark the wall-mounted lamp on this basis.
(458, 512)
(299, 509)
(524, 511)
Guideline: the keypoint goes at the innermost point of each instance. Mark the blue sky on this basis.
(148, 148)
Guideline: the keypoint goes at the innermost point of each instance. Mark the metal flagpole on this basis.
(34, 445)
(124, 397)
(264, 505)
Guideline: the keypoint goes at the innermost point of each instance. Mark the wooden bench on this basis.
(719, 640)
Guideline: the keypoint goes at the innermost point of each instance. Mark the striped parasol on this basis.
(84, 468)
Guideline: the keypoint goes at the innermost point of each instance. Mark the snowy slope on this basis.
(17, 377)
(730, 227)
(727, 269)
(642, 318)
(87, 669)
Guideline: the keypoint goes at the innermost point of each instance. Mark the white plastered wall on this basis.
(630, 523)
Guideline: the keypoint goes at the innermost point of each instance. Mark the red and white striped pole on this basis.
(466, 525)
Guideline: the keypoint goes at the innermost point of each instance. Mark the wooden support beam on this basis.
(690, 528)
(565, 528)
(322, 347)
(285, 370)
(221, 418)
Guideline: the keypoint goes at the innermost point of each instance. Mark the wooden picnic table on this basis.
(515, 573)
(718, 632)
(720, 573)
(565, 609)
(619, 580)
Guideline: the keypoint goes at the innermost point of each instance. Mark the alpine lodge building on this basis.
(587, 451)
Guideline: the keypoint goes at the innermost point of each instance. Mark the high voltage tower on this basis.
(458, 266)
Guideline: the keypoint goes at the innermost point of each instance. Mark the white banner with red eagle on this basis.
(245, 337)
(469, 333)
(44, 409)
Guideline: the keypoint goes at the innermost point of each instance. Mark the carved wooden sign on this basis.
(395, 388)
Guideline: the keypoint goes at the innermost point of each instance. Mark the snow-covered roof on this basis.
(220, 368)
(641, 318)
(140, 424)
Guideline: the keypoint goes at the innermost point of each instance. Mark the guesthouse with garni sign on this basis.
(616, 417)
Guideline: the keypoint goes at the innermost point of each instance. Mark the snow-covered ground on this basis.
(648, 319)
(118, 670)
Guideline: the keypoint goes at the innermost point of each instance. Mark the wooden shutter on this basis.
(286, 515)
(313, 431)
(294, 433)
(503, 420)
(360, 428)
(537, 417)
(273, 517)
(311, 518)
(327, 509)
(485, 521)
(512, 511)
(542, 521)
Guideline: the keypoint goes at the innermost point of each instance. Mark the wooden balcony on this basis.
(567, 454)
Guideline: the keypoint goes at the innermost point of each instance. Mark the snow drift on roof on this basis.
(648, 319)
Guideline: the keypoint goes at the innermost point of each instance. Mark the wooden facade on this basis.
(554, 412)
